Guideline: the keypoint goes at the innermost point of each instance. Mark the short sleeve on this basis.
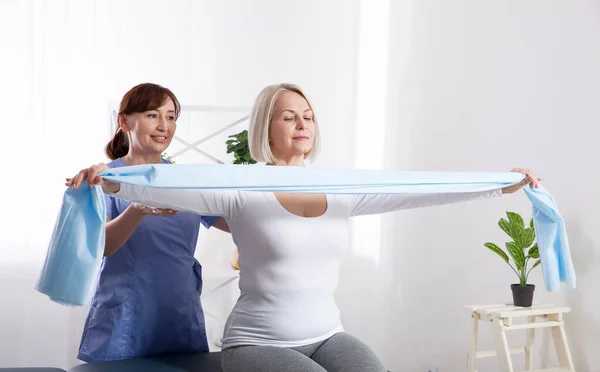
(208, 221)
(111, 207)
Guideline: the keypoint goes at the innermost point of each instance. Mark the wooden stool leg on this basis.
(502, 351)
(473, 350)
(560, 343)
(529, 345)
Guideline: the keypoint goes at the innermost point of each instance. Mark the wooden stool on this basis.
(501, 318)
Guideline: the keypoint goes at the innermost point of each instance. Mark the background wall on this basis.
(466, 85)
(487, 86)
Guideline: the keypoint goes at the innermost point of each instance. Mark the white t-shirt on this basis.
(288, 264)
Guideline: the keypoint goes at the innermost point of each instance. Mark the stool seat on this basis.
(197, 362)
(502, 316)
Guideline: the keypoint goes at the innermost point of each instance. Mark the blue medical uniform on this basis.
(147, 299)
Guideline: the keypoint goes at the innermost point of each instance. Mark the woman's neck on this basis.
(137, 159)
(295, 161)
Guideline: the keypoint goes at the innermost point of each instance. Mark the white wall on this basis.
(63, 62)
(486, 86)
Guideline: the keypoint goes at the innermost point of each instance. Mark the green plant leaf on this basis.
(236, 149)
(505, 225)
(238, 145)
(529, 237)
(517, 255)
(494, 248)
(515, 218)
(531, 226)
(534, 252)
(518, 235)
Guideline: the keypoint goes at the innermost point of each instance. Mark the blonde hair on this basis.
(260, 121)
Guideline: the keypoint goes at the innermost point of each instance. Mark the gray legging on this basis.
(339, 353)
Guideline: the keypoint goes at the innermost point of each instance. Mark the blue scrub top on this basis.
(147, 299)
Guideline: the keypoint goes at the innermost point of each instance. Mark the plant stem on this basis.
(513, 269)
(524, 273)
(529, 272)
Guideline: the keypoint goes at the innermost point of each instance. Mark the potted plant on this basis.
(238, 145)
(521, 249)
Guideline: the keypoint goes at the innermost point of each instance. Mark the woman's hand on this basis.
(530, 179)
(151, 211)
(91, 174)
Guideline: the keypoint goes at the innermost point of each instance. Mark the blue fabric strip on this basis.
(76, 247)
(77, 244)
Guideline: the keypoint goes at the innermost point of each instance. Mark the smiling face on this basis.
(151, 131)
(292, 128)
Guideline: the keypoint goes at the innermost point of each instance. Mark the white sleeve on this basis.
(221, 203)
(381, 203)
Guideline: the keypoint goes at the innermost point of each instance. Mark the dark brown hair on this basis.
(141, 98)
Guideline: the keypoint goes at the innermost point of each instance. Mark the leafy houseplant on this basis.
(521, 249)
(238, 145)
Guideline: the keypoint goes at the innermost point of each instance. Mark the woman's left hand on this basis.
(531, 179)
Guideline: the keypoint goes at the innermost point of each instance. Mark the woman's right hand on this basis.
(91, 174)
(151, 211)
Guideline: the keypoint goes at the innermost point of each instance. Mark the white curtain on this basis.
(65, 64)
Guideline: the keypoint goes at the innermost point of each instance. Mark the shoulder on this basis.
(116, 163)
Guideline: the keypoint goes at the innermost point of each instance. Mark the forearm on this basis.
(119, 230)
(202, 202)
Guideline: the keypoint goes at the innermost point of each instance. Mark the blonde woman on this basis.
(285, 318)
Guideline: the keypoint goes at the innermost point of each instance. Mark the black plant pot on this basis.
(522, 295)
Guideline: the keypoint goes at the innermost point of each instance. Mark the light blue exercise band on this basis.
(77, 244)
